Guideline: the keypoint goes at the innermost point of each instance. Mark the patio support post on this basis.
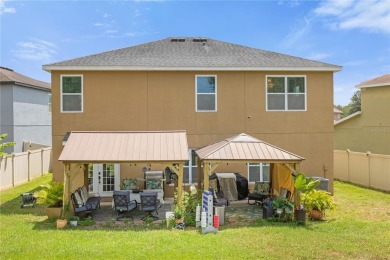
(205, 175)
(297, 167)
(199, 174)
(180, 183)
(66, 184)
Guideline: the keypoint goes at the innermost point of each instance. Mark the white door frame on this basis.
(98, 184)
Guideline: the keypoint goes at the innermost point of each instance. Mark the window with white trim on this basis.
(259, 172)
(286, 93)
(190, 169)
(71, 93)
(206, 93)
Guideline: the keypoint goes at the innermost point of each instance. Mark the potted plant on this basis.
(302, 185)
(63, 220)
(316, 202)
(73, 220)
(179, 214)
(51, 194)
(282, 205)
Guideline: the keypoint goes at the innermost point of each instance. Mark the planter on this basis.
(53, 212)
(300, 215)
(179, 220)
(316, 214)
(267, 212)
(73, 223)
(61, 223)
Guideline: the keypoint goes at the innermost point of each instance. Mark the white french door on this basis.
(103, 178)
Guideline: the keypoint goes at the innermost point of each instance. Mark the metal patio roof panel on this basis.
(165, 146)
(244, 147)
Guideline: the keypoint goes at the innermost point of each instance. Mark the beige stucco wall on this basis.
(369, 131)
(146, 101)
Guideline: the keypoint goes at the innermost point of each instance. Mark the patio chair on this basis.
(149, 204)
(123, 204)
(28, 199)
(261, 191)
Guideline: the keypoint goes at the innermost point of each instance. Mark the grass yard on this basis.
(358, 229)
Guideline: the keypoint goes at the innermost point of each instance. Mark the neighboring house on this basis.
(336, 114)
(211, 89)
(25, 114)
(368, 129)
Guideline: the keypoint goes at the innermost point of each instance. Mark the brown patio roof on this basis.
(162, 146)
(246, 148)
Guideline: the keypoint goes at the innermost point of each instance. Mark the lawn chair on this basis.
(28, 200)
(261, 191)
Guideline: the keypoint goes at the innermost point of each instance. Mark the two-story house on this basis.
(368, 129)
(25, 111)
(211, 89)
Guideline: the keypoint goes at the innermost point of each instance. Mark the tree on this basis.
(353, 107)
(4, 145)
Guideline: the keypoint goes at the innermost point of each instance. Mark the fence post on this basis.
(13, 170)
(28, 165)
(369, 168)
(41, 161)
(348, 164)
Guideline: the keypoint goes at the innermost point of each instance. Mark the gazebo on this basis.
(242, 148)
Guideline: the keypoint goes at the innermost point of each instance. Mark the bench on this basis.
(83, 203)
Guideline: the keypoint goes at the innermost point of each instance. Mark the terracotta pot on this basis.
(61, 223)
(53, 212)
(300, 215)
(316, 214)
(179, 220)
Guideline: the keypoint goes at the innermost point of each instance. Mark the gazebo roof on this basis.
(244, 147)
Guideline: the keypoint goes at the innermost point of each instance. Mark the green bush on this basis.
(51, 194)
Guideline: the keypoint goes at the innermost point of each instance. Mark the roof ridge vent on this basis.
(199, 39)
(178, 40)
(5, 68)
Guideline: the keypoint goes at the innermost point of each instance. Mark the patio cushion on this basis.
(79, 200)
(262, 188)
(153, 184)
(129, 184)
(84, 194)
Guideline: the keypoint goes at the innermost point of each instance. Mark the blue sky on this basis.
(349, 33)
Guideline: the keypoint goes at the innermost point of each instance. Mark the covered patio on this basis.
(167, 148)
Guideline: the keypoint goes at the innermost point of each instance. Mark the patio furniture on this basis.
(261, 191)
(93, 201)
(28, 199)
(149, 204)
(123, 204)
(219, 198)
(78, 205)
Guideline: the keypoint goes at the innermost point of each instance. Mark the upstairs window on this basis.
(206, 94)
(286, 93)
(72, 93)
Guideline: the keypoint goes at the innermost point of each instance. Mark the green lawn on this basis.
(358, 228)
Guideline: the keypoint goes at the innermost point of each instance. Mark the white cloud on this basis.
(4, 9)
(35, 49)
(373, 16)
(297, 31)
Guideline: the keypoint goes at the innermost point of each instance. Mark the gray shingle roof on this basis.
(203, 53)
(8, 76)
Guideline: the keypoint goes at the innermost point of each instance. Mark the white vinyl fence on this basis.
(23, 167)
(366, 169)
